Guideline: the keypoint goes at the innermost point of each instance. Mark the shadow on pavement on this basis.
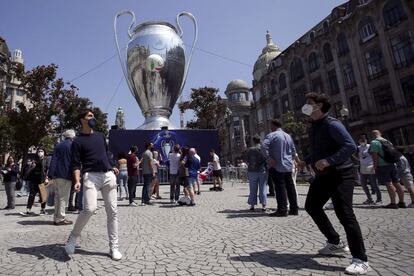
(35, 222)
(243, 213)
(271, 258)
(360, 206)
(50, 251)
(90, 253)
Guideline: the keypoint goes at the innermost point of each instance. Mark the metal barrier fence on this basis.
(229, 174)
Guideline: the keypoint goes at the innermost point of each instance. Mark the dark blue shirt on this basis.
(10, 173)
(193, 165)
(331, 141)
(90, 153)
(61, 164)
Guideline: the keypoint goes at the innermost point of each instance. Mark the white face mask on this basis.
(41, 154)
(307, 109)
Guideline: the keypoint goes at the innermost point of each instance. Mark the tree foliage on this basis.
(297, 127)
(207, 106)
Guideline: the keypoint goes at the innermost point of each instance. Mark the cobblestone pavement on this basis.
(219, 236)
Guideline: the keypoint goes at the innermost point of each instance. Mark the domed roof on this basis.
(4, 50)
(237, 85)
(268, 54)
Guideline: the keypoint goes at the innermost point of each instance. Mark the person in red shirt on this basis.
(132, 165)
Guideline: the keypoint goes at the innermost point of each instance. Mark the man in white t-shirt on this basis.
(174, 159)
(217, 174)
(198, 176)
(367, 171)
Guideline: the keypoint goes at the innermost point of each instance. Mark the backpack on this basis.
(391, 155)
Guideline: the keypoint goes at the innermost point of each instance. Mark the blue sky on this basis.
(77, 35)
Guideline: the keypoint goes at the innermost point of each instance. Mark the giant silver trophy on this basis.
(154, 66)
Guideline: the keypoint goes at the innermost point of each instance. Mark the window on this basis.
(333, 82)
(282, 81)
(317, 85)
(312, 36)
(285, 104)
(327, 53)
(313, 62)
(299, 96)
(273, 85)
(276, 109)
(259, 115)
(393, 12)
(342, 44)
(326, 27)
(355, 106)
(407, 85)
(349, 77)
(375, 63)
(20, 93)
(296, 70)
(256, 95)
(383, 99)
(366, 29)
(269, 112)
(403, 50)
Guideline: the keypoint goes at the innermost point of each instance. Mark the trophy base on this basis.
(156, 123)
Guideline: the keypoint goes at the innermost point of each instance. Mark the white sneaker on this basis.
(70, 245)
(133, 204)
(328, 206)
(330, 249)
(357, 267)
(115, 254)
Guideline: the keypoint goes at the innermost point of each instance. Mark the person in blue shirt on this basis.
(331, 149)
(280, 153)
(60, 170)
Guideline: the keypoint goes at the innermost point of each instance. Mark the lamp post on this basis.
(344, 114)
(228, 120)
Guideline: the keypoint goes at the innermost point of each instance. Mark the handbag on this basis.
(19, 184)
(42, 192)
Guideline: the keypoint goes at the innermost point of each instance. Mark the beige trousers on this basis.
(106, 183)
(62, 190)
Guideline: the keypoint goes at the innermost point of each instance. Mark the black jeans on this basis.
(285, 190)
(271, 185)
(339, 186)
(34, 189)
(146, 189)
(132, 187)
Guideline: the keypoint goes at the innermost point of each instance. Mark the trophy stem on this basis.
(157, 122)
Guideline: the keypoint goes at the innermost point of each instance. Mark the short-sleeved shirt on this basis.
(174, 159)
(376, 146)
(216, 162)
(365, 159)
(132, 159)
(147, 159)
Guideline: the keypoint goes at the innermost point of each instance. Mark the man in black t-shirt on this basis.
(90, 152)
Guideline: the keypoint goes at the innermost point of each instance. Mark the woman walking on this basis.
(10, 172)
(123, 176)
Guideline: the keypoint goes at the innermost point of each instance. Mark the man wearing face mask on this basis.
(90, 153)
(331, 148)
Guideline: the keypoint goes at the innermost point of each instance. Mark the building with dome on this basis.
(10, 88)
(361, 55)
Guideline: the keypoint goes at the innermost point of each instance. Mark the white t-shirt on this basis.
(174, 162)
(216, 162)
(198, 157)
(365, 160)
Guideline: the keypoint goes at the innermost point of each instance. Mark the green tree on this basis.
(207, 106)
(297, 127)
(46, 95)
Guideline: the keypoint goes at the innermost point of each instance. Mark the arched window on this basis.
(296, 70)
(282, 81)
(273, 86)
(366, 29)
(312, 36)
(327, 53)
(326, 26)
(313, 62)
(342, 44)
(393, 12)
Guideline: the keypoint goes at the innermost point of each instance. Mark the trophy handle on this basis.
(123, 65)
(189, 15)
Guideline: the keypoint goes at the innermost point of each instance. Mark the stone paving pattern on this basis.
(219, 236)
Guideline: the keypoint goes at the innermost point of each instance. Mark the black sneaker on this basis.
(293, 212)
(198, 193)
(391, 206)
(278, 214)
(251, 208)
(270, 194)
(402, 205)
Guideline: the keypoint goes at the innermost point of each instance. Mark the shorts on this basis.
(386, 174)
(191, 182)
(407, 181)
(218, 173)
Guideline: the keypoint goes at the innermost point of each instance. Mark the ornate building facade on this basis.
(362, 55)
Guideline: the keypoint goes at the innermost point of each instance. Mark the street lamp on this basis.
(344, 114)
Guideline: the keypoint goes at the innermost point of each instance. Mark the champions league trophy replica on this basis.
(154, 67)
